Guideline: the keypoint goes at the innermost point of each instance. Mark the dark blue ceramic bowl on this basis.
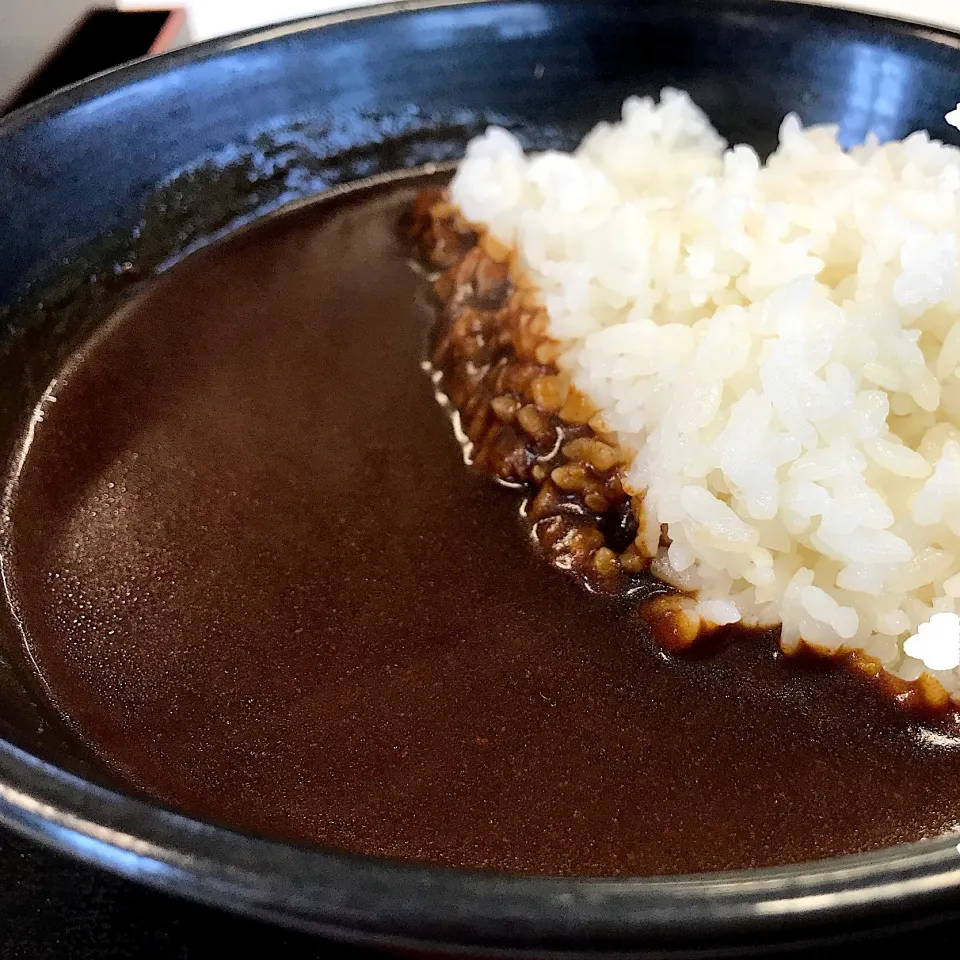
(103, 184)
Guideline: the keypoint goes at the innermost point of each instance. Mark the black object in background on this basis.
(52, 908)
(101, 40)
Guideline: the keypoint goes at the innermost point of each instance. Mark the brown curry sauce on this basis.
(258, 580)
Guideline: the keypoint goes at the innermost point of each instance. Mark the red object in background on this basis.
(100, 40)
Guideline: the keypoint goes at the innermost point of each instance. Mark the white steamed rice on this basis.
(778, 344)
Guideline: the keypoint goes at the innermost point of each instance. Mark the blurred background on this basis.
(45, 44)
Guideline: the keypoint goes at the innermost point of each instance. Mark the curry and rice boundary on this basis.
(777, 345)
(521, 421)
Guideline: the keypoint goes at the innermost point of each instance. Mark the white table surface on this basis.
(211, 18)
